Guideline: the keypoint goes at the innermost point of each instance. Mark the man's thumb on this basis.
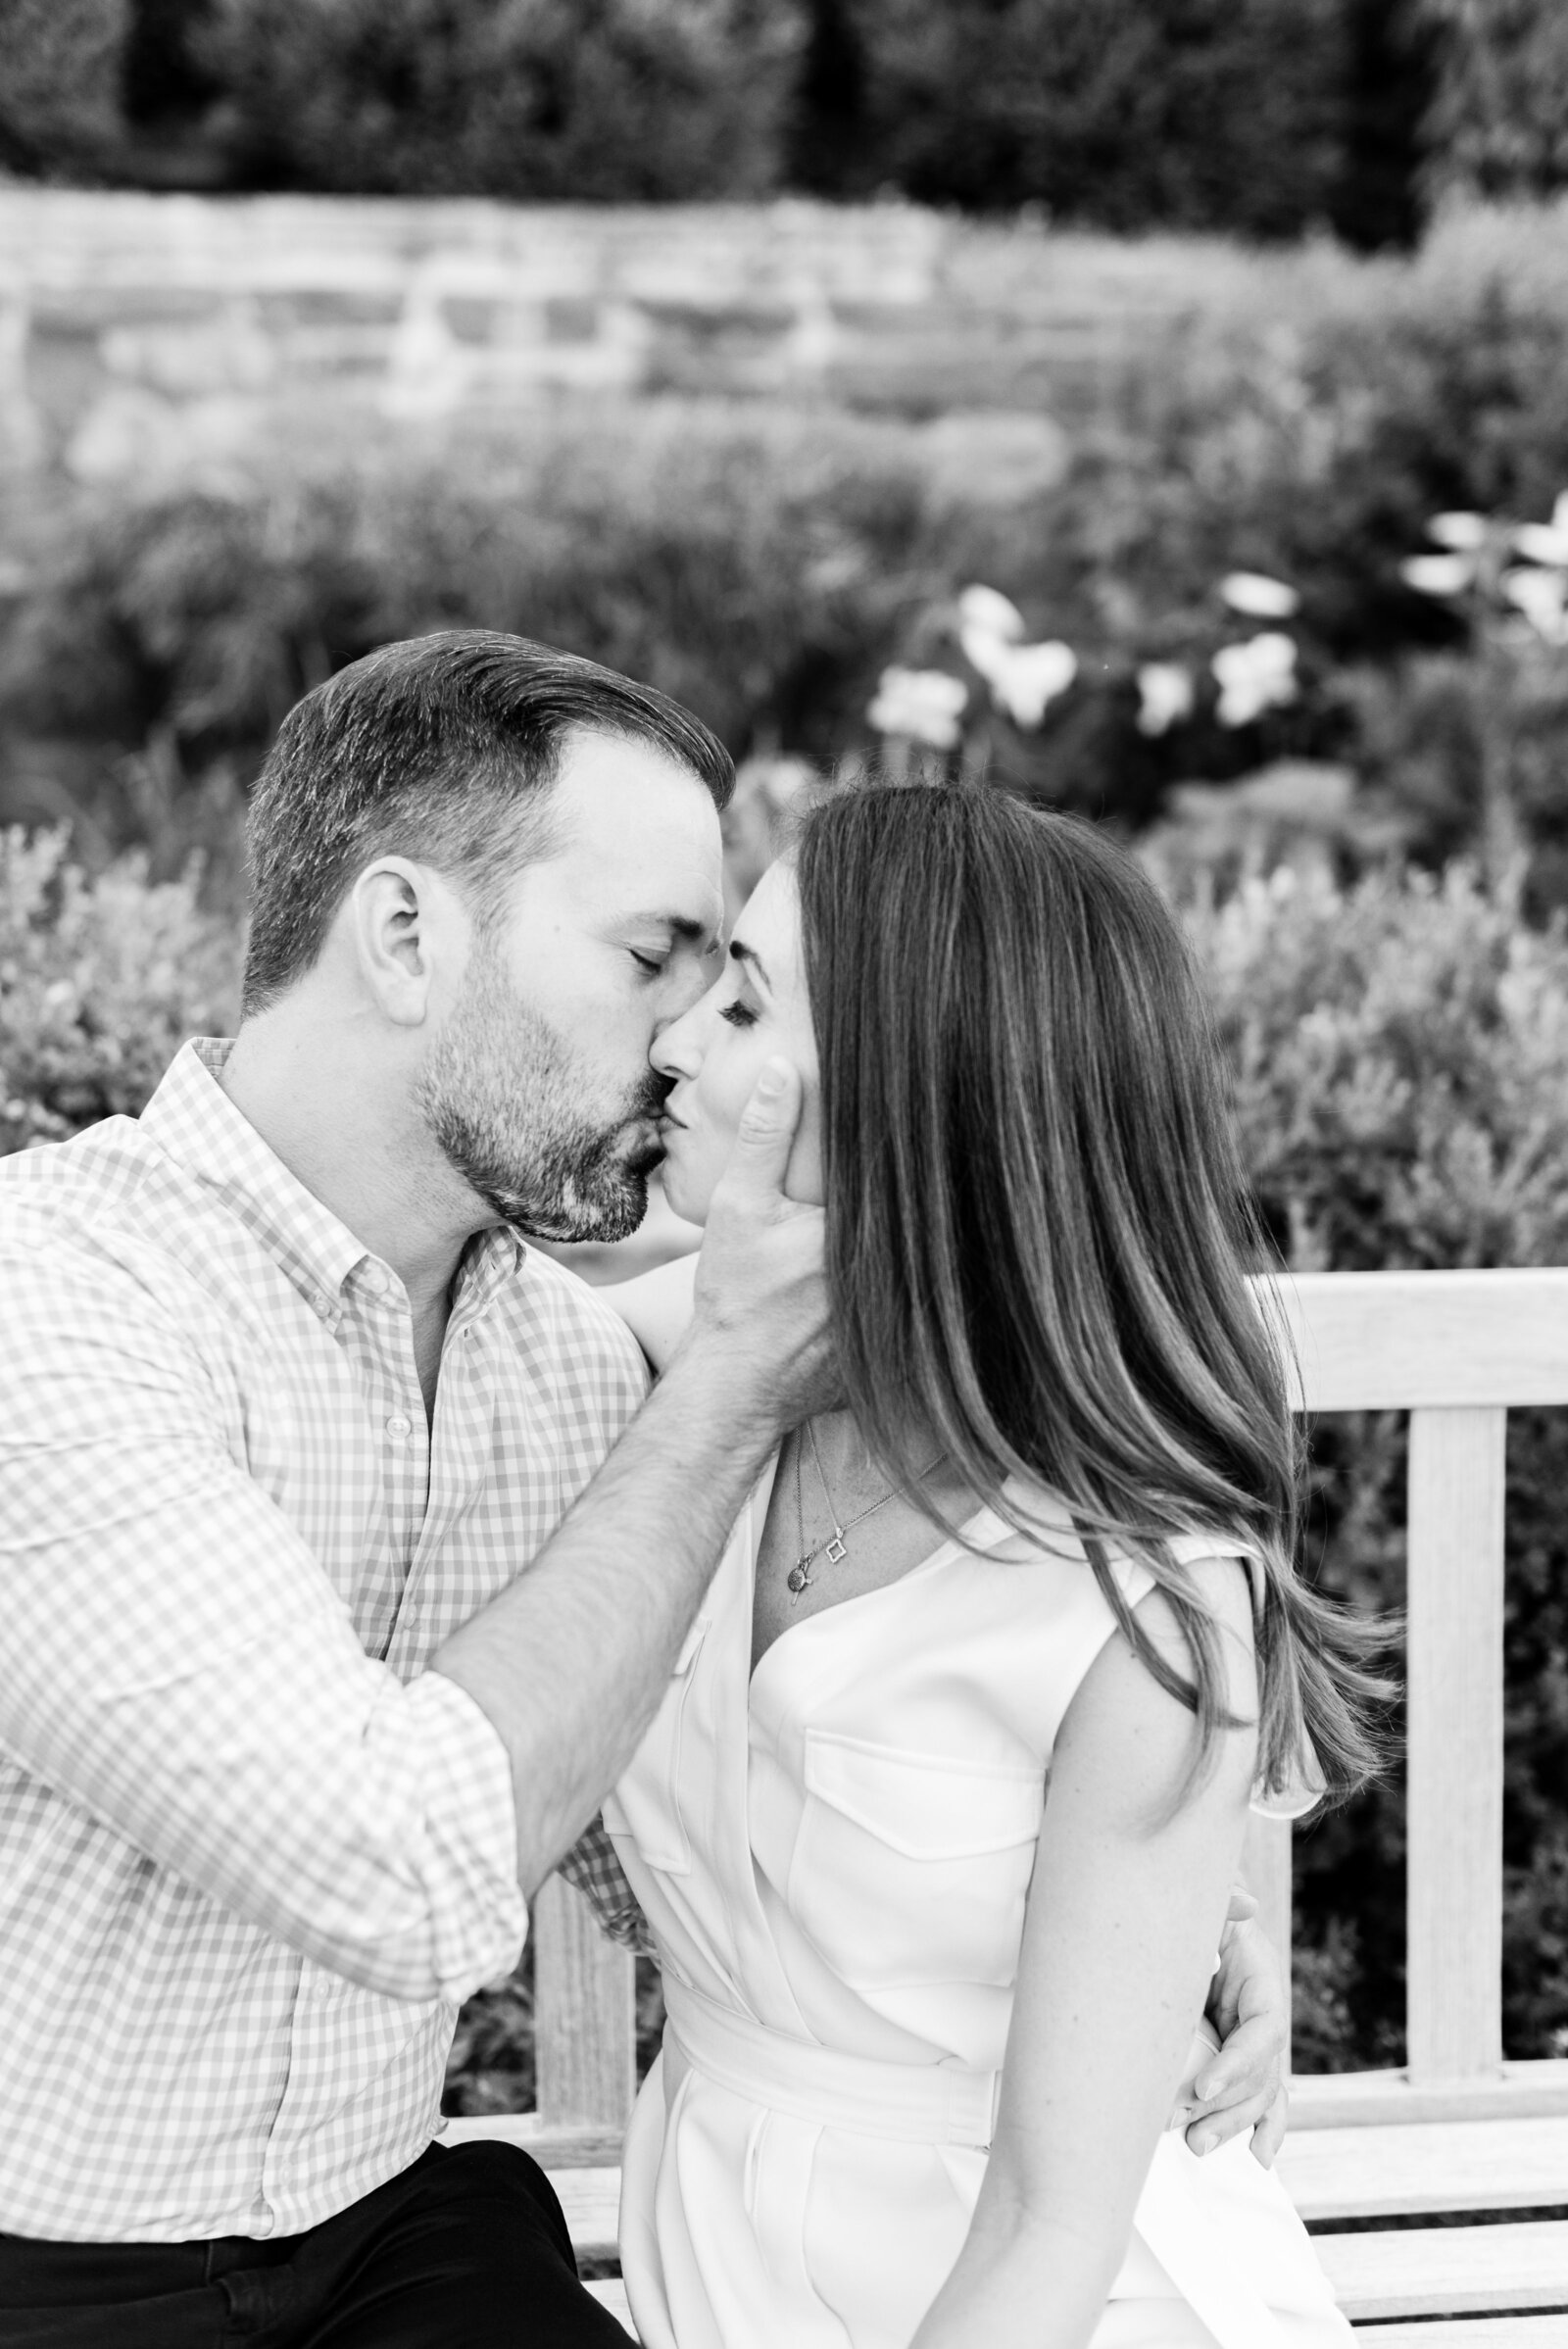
(767, 1126)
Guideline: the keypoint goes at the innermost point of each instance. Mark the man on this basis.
(308, 1677)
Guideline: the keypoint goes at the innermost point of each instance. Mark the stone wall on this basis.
(139, 332)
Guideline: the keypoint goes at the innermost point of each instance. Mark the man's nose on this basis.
(674, 1050)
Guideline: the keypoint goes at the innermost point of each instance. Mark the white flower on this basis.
(1464, 533)
(985, 650)
(1023, 678)
(986, 608)
(1257, 597)
(922, 704)
(1543, 542)
(1542, 598)
(1437, 574)
(1166, 693)
(1254, 676)
(1029, 678)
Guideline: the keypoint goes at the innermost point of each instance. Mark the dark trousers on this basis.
(467, 2250)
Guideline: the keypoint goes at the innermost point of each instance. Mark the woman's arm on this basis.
(656, 1308)
(1125, 1912)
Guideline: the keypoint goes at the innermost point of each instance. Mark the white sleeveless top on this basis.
(834, 1856)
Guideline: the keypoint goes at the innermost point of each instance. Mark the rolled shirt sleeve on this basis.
(174, 1660)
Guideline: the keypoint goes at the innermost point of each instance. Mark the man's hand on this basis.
(761, 1301)
(1243, 2086)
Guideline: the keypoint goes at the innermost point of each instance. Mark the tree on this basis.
(1136, 114)
(59, 63)
(1498, 125)
(587, 99)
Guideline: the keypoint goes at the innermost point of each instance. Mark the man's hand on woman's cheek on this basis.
(761, 1292)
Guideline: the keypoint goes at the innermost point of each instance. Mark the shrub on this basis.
(1498, 125)
(1213, 113)
(60, 63)
(587, 99)
(750, 564)
(101, 981)
(1401, 1057)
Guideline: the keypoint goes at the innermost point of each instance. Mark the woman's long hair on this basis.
(1038, 1234)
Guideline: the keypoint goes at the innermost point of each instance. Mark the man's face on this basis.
(537, 1085)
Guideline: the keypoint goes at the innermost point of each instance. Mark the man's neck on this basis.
(343, 1130)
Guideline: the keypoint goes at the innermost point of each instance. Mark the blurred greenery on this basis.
(1401, 1058)
(764, 562)
(587, 99)
(60, 82)
(1268, 117)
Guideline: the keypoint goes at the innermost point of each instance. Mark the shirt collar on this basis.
(193, 1119)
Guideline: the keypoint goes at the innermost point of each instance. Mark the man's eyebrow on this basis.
(741, 952)
(683, 926)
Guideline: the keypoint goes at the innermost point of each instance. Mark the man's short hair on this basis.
(443, 749)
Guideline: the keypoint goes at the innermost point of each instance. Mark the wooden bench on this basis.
(1456, 2131)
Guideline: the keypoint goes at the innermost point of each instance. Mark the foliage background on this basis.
(1264, 117)
(765, 561)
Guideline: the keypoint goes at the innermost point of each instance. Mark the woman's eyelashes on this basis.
(739, 1015)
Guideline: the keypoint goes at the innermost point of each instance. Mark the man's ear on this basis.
(398, 919)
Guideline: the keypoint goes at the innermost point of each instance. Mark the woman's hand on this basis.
(1244, 2086)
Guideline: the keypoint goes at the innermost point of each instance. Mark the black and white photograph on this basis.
(783, 1174)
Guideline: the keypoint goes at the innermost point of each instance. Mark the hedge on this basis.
(765, 564)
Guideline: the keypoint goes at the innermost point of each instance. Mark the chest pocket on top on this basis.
(913, 1867)
(650, 1803)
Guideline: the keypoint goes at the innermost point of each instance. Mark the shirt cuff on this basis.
(480, 1919)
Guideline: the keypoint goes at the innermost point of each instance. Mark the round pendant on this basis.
(797, 1577)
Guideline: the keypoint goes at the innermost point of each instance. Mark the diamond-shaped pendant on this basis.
(798, 1577)
(835, 1552)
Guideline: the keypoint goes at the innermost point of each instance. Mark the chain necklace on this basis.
(834, 1548)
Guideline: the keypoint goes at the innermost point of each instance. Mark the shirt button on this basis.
(374, 1281)
(398, 1425)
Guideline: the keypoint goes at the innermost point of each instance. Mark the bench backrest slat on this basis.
(585, 2047)
(1453, 1900)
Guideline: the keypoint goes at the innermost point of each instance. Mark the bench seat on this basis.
(1412, 2168)
(1462, 2272)
(1477, 2333)
(1450, 2271)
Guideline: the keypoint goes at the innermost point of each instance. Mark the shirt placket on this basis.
(375, 1328)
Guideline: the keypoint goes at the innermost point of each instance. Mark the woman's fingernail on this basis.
(1206, 2090)
(1208, 2143)
(770, 1080)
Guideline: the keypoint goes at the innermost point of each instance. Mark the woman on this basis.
(926, 2019)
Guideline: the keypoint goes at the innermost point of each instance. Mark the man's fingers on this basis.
(1269, 2134)
(766, 1129)
(1243, 1905)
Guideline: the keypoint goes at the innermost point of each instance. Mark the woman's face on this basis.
(755, 1010)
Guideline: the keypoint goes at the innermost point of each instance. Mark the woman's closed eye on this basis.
(739, 1015)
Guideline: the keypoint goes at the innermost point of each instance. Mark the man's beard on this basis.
(503, 1097)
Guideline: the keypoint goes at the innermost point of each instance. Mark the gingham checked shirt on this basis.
(252, 1857)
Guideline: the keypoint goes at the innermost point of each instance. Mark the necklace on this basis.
(835, 1549)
